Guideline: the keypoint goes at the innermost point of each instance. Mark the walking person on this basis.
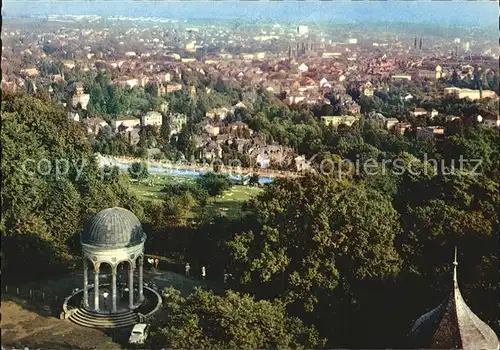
(186, 269)
(203, 272)
(157, 261)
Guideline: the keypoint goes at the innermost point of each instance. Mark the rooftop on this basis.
(452, 325)
(113, 228)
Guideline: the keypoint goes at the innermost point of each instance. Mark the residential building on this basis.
(301, 164)
(390, 123)
(165, 77)
(79, 98)
(336, 120)
(469, 93)
(132, 135)
(143, 80)
(173, 88)
(432, 114)
(93, 125)
(401, 77)
(294, 99)
(176, 122)
(429, 131)
(152, 118)
(221, 113)
(263, 160)
(211, 130)
(164, 107)
(303, 68)
(400, 128)
(302, 29)
(439, 72)
(418, 112)
(69, 64)
(490, 120)
(239, 105)
(73, 115)
(450, 118)
(126, 121)
(238, 126)
(368, 89)
(212, 151)
(128, 83)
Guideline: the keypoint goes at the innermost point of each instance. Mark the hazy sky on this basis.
(482, 12)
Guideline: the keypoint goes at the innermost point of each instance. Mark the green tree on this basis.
(110, 174)
(254, 180)
(51, 184)
(177, 208)
(138, 171)
(185, 143)
(316, 243)
(458, 209)
(175, 189)
(231, 321)
(214, 183)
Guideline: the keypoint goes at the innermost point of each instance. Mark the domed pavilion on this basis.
(112, 236)
(452, 325)
(113, 247)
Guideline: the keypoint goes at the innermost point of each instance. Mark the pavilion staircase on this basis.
(86, 318)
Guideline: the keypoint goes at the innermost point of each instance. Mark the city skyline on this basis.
(458, 13)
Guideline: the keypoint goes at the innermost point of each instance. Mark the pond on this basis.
(187, 172)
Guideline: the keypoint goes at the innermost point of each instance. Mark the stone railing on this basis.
(145, 318)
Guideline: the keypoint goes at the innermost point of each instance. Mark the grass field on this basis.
(229, 203)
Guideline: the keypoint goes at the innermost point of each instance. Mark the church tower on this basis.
(452, 325)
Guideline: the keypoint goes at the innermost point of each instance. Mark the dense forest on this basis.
(327, 260)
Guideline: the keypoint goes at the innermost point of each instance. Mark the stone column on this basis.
(96, 286)
(85, 283)
(113, 288)
(141, 293)
(131, 285)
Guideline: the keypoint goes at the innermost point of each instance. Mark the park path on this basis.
(23, 324)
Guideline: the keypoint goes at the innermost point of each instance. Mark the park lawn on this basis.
(151, 192)
(231, 200)
(229, 203)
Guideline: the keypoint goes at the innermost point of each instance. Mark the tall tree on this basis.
(314, 242)
(214, 183)
(231, 321)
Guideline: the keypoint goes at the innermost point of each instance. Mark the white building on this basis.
(418, 112)
(469, 93)
(302, 29)
(152, 118)
(73, 116)
(432, 114)
(303, 68)
(212, 130)
(324, 83)
(80, 99)
(177, 121)
(263, 160)
(390, 123)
